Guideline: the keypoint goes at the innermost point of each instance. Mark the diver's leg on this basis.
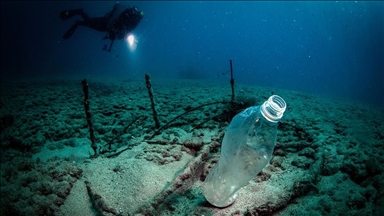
(98, 23)
(66, 14)
(85, 16)
(70, 31)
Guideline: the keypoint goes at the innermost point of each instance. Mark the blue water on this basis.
(329, 48)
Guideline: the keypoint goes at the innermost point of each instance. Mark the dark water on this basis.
(330, 48)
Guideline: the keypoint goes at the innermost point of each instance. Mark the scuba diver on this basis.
(116, 23)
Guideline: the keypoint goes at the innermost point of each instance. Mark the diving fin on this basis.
(70, 31)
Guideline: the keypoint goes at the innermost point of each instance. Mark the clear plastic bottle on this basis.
(246, 149)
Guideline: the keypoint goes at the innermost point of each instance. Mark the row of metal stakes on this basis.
(151, 97)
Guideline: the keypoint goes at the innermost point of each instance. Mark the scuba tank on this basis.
(122, 20)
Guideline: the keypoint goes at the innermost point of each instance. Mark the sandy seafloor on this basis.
(328, 159)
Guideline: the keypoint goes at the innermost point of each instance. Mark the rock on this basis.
(308, 152)
(302, 162)
(357, 171)
(373, 166)
(356, 201)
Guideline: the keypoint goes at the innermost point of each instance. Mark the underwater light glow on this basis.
(131, 39)
(132, 42)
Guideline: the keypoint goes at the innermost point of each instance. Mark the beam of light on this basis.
(131, 42)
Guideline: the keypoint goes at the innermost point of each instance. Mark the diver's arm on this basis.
(110, 46)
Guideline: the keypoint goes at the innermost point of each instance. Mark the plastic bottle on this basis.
(246, 149)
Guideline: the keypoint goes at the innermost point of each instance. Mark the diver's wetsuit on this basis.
(117, 23)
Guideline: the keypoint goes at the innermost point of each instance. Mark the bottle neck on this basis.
(273, 109)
